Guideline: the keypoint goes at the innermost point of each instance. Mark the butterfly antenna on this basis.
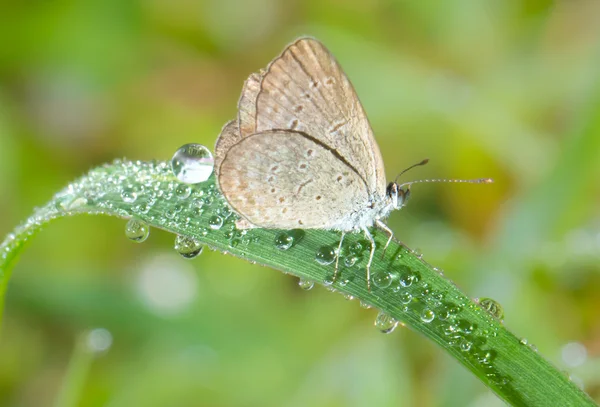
(425, 161)
(464, 181)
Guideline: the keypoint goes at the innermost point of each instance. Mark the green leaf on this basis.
(405, 288)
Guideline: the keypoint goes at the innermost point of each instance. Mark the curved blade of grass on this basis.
(404, 286)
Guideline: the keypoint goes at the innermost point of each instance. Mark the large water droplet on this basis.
(325, 255)
(385, 323)
(382, 279)
(427, 315)
(136, 230)
(215, 222)
(285, 240)
(188, 247)
(192, 163)
(492, 307)
(306, 284)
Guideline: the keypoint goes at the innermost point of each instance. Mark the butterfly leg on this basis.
(387, 230)
(337, 256)
(369, 237)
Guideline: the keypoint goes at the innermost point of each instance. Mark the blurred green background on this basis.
(504, 89)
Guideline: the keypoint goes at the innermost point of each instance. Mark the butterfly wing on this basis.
(286, 179)
(305, 89)
(228, 137)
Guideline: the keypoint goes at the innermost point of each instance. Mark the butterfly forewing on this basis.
(247, 105)
(285, 179)
(306, 90)
(228, 137)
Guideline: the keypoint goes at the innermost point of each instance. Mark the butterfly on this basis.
(302, 153)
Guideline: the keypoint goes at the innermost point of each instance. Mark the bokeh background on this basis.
(504, 89)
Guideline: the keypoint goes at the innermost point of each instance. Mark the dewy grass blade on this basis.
(405, 288)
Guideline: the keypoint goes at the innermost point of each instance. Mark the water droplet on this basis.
(351, 260)
(129, 194)
(287, 239)
(407, 276)
(325, 255)
(465, 345)
(492, 307)
(356, 248)
(385, 323)
(465, 326)
(364, 305)
(183, 191)
(405, 298)
(427, 315)
(192, 163)
(188, 247)
(215, 222)
(448, 310)
(485, 356)
(136, 230)
(382, 279)
(524, 341)
(306, 284)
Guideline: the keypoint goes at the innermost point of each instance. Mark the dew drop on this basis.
(325, 255)
(129, 194)
(215, 222)
(136, 230)
(286, 239)
(306, 284)
(382, 280)
(364, 305)
(356, 248)
(192, 163)
(465, 326)
(407, 277)
(492, 307)
(188, 247)
(465, 345)
(350, 261)
(183, 191)
(385, 323)
(427, 315)
(405, 298)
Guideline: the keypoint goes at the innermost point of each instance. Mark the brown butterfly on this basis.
(302, 152)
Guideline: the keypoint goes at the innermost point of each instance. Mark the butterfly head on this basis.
(398, 194)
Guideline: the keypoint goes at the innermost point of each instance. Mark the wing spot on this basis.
(329, 81)
(281, 199)
(271, 179)
(339, 178)
(337, 127)
(274, 168)
(318, 197)
(293, 124)
(284, 210)
(314, 84)
(299, 108)
(273, 190)
(300, 222)
(302, 166)
(306, 95)
(309, 153)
